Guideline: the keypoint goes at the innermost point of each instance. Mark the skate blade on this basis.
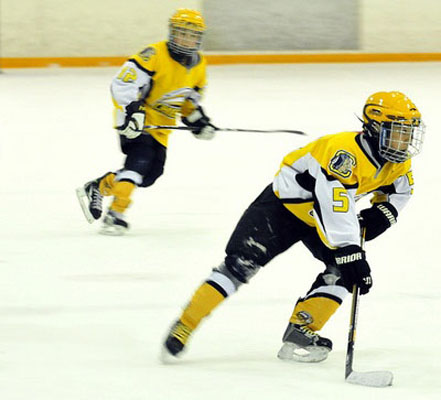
(82, 196)
(308, 354)
(112, 230)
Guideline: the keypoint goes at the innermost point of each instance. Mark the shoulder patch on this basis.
(147, 53)
(342, 163)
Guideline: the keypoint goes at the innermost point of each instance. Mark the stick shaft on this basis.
(352, 330)
(353, 320)
(187, 128)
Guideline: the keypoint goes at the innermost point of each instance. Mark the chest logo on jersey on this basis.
(170, 104)
(342, 163)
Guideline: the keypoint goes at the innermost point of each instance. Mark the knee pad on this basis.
(240, 268)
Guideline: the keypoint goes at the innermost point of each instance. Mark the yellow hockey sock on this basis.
(122, 190)
(106, 184)
(319, 308)
(203, 302)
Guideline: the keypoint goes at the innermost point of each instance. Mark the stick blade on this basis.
(373, 378)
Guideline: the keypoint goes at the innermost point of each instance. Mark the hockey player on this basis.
(312, 199)
(154, 87)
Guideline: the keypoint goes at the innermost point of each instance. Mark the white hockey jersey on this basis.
(321, 182)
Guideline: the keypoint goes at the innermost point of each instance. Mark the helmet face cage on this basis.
(394, 125)
(399, 141)
(184, 40)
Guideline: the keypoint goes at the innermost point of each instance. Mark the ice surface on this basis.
(82, 316)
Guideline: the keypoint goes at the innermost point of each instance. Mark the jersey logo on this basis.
(147, 53)
(170, 104)
(342, 163)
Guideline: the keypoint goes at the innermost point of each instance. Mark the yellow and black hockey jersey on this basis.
(169, 89)
(321, 182)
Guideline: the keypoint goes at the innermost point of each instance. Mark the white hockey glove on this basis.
(133, 125)
(200, 125)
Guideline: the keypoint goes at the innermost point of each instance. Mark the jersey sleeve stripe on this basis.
(389, 189)
(305, 180)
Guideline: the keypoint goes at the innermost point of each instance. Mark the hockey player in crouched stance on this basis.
(312, 199)
(153, 87)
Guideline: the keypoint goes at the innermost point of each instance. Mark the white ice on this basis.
(82, 316)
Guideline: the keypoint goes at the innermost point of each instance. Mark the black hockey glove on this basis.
(200, 124)
(134, 122)
(377, 219)
(354, 269)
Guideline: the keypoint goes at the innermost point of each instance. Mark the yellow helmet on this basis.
(186, 30)
(394, 123)
(389, 106)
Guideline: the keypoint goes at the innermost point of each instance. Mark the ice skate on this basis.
(302, 344)
(114, 224)
(91, 199)
(175, 342)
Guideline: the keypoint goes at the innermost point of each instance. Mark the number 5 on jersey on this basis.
(340, 200)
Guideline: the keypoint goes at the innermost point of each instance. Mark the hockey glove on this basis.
(354, 269)
(134, 123)
(377, 219)
(200, 125)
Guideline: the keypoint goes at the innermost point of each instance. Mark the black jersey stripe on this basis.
(333, 178)
(388, 189)
(150, 73)
(318, 213)
(296, 200)
(376, 163)
(305, 180)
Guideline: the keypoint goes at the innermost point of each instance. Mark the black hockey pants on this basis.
(265, 230)
(146, 156)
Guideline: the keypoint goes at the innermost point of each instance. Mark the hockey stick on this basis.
(187, 128)
(372, 378)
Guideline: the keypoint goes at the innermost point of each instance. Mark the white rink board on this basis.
(83, 316)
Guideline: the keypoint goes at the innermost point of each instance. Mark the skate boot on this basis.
(91, 199)
(114, 224)
(302, 344)
(175, 342)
